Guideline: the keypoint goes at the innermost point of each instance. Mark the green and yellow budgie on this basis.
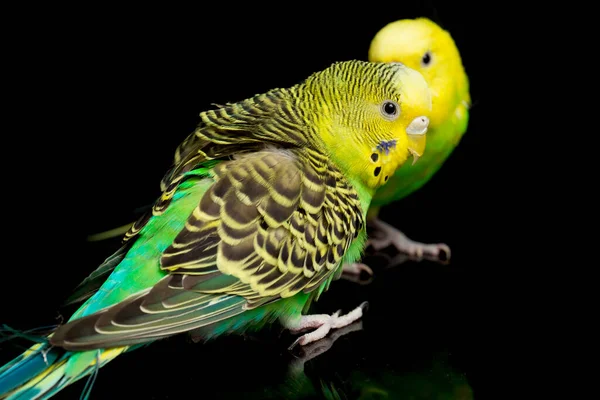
(265, 203)
(424, 46)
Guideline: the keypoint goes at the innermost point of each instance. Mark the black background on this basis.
(103, 96)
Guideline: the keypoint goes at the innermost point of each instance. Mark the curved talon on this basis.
(296, 342)
(364, 306)
(445, 252)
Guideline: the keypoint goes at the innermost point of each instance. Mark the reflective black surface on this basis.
(416, 341)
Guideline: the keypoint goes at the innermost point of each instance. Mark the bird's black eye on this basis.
(390, 109)
(426, 59)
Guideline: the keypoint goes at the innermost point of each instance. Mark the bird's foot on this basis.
(319, 347)
(323, 324)
(354, 272)
(386, 235)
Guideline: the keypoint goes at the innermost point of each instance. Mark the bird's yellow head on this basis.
(424, 46)
(370, 116)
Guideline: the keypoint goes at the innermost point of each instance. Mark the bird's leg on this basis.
(383, 235)
(386, 235)
(322, 324)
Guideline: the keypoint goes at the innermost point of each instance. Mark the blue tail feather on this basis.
(27, 366)
(44, 370)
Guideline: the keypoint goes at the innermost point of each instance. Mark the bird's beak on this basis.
(416, 131)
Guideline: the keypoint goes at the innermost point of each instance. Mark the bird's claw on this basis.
(386, 235)
(323, 324)
(319, 347)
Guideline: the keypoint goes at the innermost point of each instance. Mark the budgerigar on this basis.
(424, 46)
(265, 202)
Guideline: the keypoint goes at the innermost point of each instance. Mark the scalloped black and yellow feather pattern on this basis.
(238, 128)
(274, 223)
(276, 220)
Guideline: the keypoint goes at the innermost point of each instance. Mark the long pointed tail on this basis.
(43, 370)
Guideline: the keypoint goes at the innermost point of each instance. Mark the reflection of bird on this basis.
(422, 45)
(437, 381)
(297, 385)
(318, 375)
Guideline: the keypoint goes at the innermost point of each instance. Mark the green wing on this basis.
(232, 129)
(274, 223)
